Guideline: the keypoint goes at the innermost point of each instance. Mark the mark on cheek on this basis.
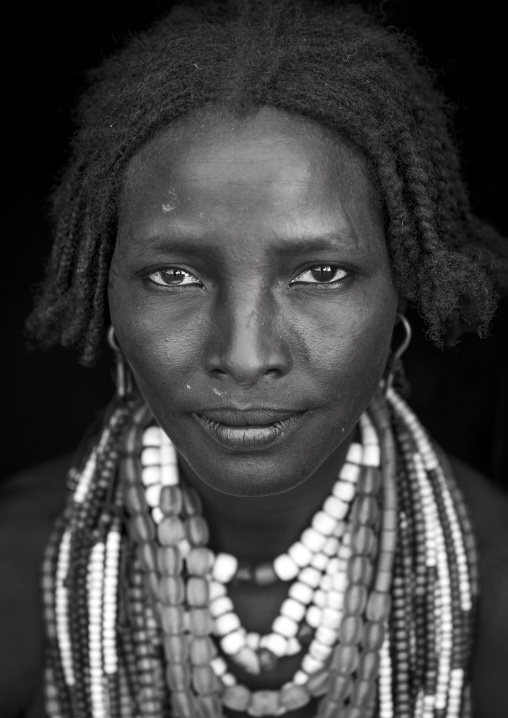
(170, 205)
(216, 391)
(188, 386)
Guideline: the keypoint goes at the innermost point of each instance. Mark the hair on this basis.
(333, 63)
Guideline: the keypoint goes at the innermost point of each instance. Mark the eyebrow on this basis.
(288, 245)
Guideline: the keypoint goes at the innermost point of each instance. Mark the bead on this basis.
(294, 697)
(168, 475)
(178, 676)
(319, 651)
(345, 659)
(157, 515)
(369, 665)
(219, 666)
(349, 473)
(183, 704)
(317, 684)
(355, 600)
(354, 453)
(313, 540)
(135, 499)
(172, 619)
(167, 453)
(152, 436)
(371, 455)
(150, 475)
(248, 659)
(236, 698)
(264, 574)
(221, 605)
(369, 481)
(276, 643)
(292, 609)
(285, 568)
(323, 523)
(192, 502)
(363, 540)
(171, 501)
(310, 664)
(216, 590)
(200, 621)
(152, 495)
(169, 560)
(170, 531)
(326, 636)
(351, 630)
(210, 706)
(197, 591)
(202, 650)
(147, 556)
(300, 554)
(344, 491)
(267, 660)
(339, 687)
(142, 529)
(335, 507)
(171, 589)
(358, 569)
(204, 679)
(150, 457)
(313, 616)
(310, 576)
(301, 592)
(175, 648)
(378, 606)
(226, 623)
(199, 561)
(224, 567)
(331, 618)
(286, 626)
(197, 530)
(263, 703)
(232, 643)
(320, 561)
(373, 636)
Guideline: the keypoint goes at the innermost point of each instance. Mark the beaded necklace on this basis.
(381, 587)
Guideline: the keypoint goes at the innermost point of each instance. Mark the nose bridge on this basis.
(249, 343)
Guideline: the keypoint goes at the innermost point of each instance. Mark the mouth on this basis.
(248, 430)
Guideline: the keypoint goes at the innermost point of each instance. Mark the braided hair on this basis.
(330, 62)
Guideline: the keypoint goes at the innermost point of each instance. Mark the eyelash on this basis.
(198, 283)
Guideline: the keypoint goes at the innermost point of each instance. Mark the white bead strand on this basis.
(95, 598)
(62, 609)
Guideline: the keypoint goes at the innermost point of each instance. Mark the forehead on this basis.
(258, 170)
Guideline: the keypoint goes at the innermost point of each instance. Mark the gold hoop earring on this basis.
(123, 377)
(395, 369)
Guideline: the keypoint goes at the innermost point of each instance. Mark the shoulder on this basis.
(29, 504)
(488, 510)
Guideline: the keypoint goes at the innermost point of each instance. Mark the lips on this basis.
(248, 430)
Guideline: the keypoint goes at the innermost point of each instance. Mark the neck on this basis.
(256, 529)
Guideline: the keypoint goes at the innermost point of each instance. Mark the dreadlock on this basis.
(333, 63)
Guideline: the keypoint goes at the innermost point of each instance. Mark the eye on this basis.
(173, 277)
(321, 274)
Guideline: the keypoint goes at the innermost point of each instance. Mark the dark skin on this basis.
(219, 299)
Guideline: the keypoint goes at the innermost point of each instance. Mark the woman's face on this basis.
(251, 293)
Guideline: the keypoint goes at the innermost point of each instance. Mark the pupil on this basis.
(322, 273)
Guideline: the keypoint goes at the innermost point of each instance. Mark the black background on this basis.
(48, 400)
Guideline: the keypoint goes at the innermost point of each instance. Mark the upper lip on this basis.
(248, 417)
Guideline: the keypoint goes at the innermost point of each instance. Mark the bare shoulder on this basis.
(29, 504)
(488, 509)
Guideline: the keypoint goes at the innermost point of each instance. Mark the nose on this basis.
(247, 343)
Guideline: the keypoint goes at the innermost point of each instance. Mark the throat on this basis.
(257, 529)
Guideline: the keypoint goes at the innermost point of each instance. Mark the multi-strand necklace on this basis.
(380, 587)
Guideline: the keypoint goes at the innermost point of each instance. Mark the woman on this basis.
(261, 526)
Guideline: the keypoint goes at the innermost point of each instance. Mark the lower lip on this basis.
(248, 438)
